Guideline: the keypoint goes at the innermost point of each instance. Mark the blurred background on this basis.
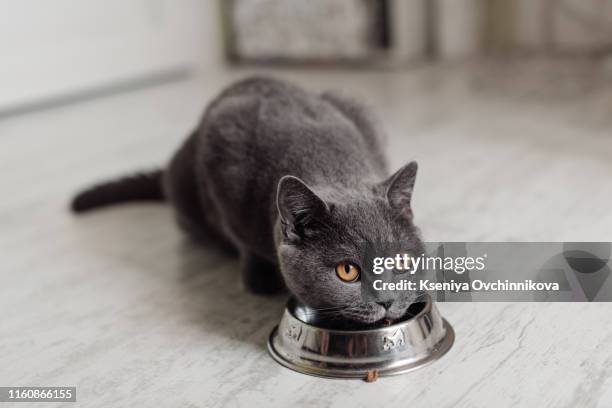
(507, 104)
(53, 51)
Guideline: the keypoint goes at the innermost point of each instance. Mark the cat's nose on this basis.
(386, 305)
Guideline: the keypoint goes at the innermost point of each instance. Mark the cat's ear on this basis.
(298, 206)
(398, 189)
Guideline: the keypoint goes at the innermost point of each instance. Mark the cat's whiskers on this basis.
(313, 310)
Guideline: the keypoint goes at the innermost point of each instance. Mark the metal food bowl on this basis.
(309, 344)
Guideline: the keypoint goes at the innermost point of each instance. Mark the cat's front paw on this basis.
(261, 277)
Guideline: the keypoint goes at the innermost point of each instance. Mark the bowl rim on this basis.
(427, 308)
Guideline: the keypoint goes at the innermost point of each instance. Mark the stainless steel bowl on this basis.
(308, 344)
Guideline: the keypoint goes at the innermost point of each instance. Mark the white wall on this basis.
(50, 48)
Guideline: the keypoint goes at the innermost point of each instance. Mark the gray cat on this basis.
(295, 182)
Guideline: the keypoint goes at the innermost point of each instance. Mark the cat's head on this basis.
(322, 237)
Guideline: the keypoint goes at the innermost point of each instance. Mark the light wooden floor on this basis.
(119, 305)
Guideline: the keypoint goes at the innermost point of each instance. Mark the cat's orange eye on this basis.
(347, 272)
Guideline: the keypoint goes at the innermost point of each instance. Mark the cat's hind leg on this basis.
(184, 191)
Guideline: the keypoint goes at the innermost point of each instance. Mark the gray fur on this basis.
(297, 180)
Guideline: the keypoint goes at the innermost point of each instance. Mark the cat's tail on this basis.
(138, 187)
